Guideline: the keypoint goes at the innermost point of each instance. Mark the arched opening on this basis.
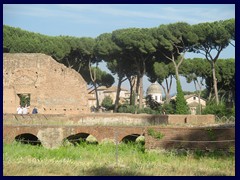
(132, 138)
(28, 138)
(81, 138)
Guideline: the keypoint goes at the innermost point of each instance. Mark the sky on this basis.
(91, 20)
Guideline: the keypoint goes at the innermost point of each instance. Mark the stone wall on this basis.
(53, 88)
(109, 119)
(192, 119)
(205, 138)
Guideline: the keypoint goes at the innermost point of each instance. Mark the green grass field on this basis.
(107, 159)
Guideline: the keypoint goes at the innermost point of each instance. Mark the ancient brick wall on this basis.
(204, 138)
(191, 119)
(109, 119)
(53, 88)
(172, 137)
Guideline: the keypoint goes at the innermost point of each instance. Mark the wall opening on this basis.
(28, 138)
(79, 138)
(24, 99)
(130, 138)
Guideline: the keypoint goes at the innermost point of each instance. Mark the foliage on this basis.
(219, 110)
(169, 108)
(154, 134)
(212, 39)
(152, 103)
(107, 103)
(134, 109)
(24, 100)
(138, 47)
(181, 104)
(127, 108)
(157, 52)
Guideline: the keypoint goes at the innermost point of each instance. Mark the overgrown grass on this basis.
(104, 159)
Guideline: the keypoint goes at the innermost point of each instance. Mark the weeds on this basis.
(97, 160)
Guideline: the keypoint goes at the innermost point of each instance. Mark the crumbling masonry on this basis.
(52, 87)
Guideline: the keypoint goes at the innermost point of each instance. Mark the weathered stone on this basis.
(53, 88)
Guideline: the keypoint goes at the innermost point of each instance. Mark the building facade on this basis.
(103, 92)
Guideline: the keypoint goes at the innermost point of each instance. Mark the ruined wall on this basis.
(205, 138)
(109, 119)
(53, 88)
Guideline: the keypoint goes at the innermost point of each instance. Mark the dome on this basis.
(154, 88)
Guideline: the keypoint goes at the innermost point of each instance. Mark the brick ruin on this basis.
(51, 87)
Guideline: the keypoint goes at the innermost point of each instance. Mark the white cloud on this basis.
(94, 13)
(180, 12)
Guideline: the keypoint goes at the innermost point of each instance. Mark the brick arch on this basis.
(10, 132)
(126, 131)
(78, 130)
(74, 138)
(130, 137)
(28, 138)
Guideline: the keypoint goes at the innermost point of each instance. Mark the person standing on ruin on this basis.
(20, 110)
(34, 111)
(25, 110)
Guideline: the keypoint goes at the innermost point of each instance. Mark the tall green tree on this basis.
(111, 53)
(225, 72)
(181, 104)
(138, 45)
(212, 39)
(174, 40)
(196, 70)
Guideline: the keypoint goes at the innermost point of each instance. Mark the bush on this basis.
(169, 108)
(219, 110)
(127, 109)
(107, 103)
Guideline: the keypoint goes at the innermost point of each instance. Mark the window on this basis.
(156, 98)
(24, 99)
(194, 98)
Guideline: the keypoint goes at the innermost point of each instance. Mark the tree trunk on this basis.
(141, 92)
(199, 91)
(97, 101)
(137, 90)
(215, 82)
(116, 104)
(93, 78)
(132, 82)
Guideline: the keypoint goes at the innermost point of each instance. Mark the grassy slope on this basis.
(97, 160)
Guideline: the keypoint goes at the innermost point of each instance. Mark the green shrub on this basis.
(107, 103)
(219, 110)
(181, 104)
(127, 109)
(154, 134)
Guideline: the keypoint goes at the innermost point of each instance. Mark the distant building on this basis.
(155, 91)
(193, 102)
(103, 92)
